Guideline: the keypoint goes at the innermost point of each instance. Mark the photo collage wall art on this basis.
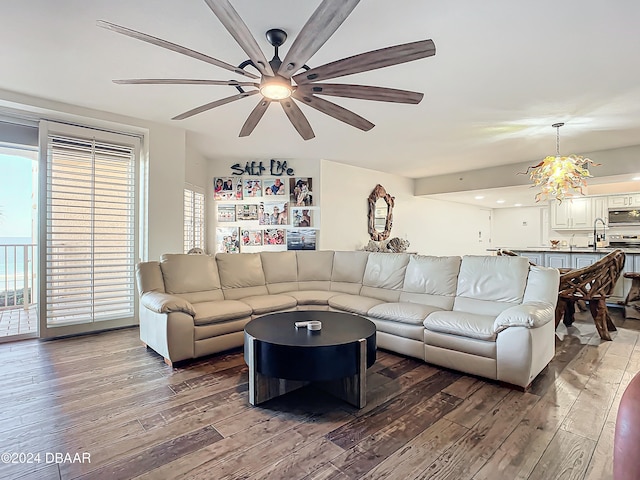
(265, 213)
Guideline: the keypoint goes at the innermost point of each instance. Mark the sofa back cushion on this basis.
(542, 285)
(280, 271)
(241, 275)
(185, 273)
(431, 280)
(384, 276)
(314, 269)
(487, 285)
(348, 270)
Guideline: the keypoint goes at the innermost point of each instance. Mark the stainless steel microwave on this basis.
(624, 217)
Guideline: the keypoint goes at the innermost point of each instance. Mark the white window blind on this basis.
(90, 230)
(193, 219)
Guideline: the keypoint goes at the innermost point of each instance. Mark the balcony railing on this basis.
(18, 290)
(18, 276)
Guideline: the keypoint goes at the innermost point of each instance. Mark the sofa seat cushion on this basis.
(354, 303)
(462, 323)
(404, 312)
(313, 297)
(261, 304)
(219, 311)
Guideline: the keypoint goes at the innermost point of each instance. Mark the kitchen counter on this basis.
(605, 250)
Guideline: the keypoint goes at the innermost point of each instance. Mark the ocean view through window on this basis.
(18, 235)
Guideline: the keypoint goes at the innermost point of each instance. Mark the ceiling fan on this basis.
(283, 81)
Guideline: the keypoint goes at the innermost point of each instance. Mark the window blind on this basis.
(193, 219)
(90, 230)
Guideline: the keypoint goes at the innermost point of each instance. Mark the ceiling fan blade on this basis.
(363, 92)
(239, 30)
(173, 47)
(254, 117)
(183, 81)
(373, 60)
(318, 29)
(217, 103)
(335, 111)
(297, 118)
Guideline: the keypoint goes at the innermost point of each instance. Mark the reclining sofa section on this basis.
(485, 315)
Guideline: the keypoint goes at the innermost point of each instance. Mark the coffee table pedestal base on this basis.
(351, 389)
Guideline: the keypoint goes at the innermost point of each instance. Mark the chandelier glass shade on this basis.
(559, 177)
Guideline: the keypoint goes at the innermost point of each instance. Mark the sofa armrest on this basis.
(528, 314)
(165, 303)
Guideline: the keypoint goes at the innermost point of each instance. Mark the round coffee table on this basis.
(282, 358)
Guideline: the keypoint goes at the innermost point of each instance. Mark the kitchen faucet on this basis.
(595, 236)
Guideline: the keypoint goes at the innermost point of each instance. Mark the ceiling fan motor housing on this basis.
(276, 37)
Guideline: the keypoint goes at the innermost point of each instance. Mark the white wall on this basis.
(166, 190)
(197, 166)
(433, 227)
(517, 227)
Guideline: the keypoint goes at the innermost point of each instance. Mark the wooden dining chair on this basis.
(593, 284)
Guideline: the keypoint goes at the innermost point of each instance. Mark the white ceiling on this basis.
(504, 71)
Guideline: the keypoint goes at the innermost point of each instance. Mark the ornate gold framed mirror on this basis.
(380, 213)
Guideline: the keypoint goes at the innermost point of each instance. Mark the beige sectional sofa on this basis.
(484, 315)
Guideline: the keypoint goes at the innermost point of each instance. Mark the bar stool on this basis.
(632, 302)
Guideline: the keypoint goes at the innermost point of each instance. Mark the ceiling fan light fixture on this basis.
(275, 88)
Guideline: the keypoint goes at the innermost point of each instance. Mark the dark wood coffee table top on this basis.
(287, 352)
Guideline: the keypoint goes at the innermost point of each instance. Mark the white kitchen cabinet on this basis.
(534, 257)
(600, 209)
(627, 200)
(581, 260)
(572, 214)
(624, 284)
(631, 264)
(557, 260)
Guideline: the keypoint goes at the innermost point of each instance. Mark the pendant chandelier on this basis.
(560, 177)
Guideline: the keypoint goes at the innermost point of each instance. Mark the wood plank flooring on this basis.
(107, 397)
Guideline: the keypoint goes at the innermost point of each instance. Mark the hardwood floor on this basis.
(107, 397)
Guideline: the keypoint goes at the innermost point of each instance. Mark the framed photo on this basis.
(274, 186)
(227, 188)
(301, 191)
(251, 238)
(275, 236)
(227, 240)
(226, 213)
(302, 217)
(247, 212)
(273, 213)
(301, 239)
(252, 188)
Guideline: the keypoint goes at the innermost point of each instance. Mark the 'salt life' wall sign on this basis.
(276, 168)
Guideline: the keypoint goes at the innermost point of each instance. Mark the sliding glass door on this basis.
(88, 229)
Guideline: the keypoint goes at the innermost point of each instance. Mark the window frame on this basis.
(194, 193)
